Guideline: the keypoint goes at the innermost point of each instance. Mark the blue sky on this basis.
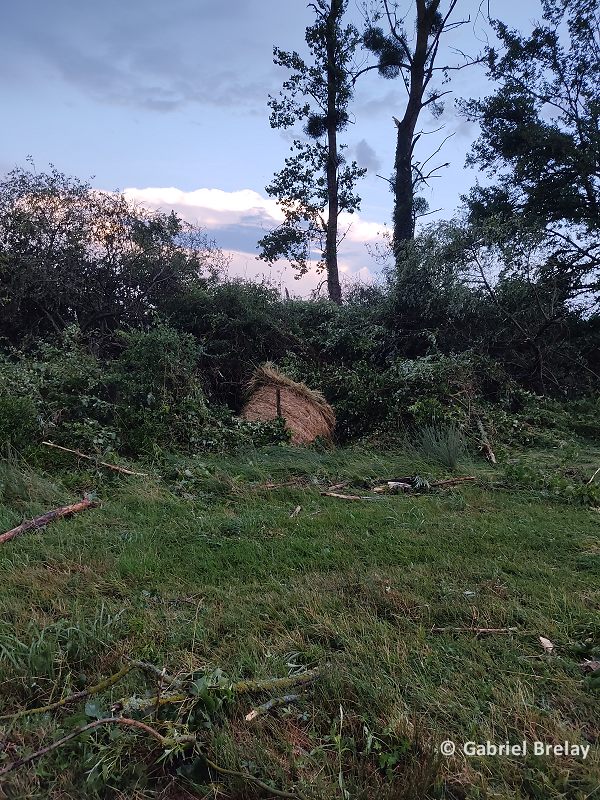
(168, 101)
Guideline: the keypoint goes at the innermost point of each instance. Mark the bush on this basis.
(19, 425)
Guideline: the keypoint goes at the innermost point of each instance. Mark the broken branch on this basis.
(116, 720)
(453, 480)
(93, 458)
(294, 795)
(44, 519)
(478, 631)
(72, 698)
(274, 703)
(347, 496)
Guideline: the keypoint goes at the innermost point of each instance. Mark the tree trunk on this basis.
(333, 278)
(420, 73)
(404, 224)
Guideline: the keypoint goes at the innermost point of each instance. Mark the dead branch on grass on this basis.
(74, 697)
(44, 519)
(452, 480)
(107, 720)
(477, 631)
(348, 496)
(93, 458)
(274, 703)
(293, 795)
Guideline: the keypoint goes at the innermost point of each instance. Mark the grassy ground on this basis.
(205, 569)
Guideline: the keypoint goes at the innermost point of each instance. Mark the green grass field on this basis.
(205, 569)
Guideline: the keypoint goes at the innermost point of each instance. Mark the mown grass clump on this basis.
(208, 567)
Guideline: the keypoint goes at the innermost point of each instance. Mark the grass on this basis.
(204, 568)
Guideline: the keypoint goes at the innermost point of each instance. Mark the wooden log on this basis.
(39, 522)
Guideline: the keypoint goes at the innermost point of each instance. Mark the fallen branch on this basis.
(251, 687)
(274, 703)
(478, 631)
(93, 458)
(293, 795)
(338, 486)
(453, 480)
(39, 522)
(293, 483)
(348, 496)
(72, 698)
(593, 476)
(484, 443)
(107, 720)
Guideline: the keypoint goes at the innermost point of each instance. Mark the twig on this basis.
(478, 631)
(159, 673)
(304, 679)
(593, 476)
(275, 485)
(39, 522)
(294, 795)
(116, 720)
(274, 703)
(453, 480)
(72, 698)
(93, 458)
(348, 496)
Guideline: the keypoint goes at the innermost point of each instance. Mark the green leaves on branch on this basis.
(316, 177)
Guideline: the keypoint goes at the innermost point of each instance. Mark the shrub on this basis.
(19, 425)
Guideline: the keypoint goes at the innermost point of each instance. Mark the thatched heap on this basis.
(306, 412)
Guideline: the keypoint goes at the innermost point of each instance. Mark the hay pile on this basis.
(306, 412)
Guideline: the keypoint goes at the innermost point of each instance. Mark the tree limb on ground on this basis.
(44, 519)
(348, 496)
(116, 720)
(478, 631)
(93, 458)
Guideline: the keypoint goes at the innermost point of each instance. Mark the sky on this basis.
(168, 102)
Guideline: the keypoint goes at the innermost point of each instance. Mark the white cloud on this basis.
(238, 219)
(213, 199)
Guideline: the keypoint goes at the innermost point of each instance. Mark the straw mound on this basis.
(306, 412)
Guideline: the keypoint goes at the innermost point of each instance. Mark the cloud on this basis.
(365, 156)
(238, 219)
(151, 55)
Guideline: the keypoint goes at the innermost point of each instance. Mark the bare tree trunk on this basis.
(331, 260)
(420, 73)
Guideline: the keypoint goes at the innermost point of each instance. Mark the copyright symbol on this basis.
(447, 748)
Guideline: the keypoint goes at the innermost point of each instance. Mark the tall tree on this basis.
(316, 184)
(413, 58)
(540, 137)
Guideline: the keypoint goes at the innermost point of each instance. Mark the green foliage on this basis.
(70, 254)
(539, 138)
(560, 482)
(443, 445)
(316, 177)
(19, 424)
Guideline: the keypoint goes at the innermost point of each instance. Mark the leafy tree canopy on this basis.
(540, 135)
(69, 253)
